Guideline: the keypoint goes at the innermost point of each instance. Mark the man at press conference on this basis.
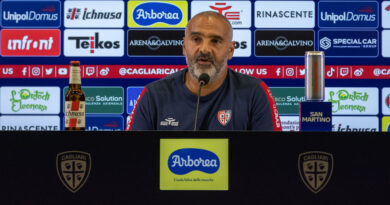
(207, 95)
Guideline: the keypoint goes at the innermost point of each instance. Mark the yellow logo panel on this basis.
(194, 164)
(157, 14)
(386, 124)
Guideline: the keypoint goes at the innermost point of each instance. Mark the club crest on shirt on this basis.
(224, 116)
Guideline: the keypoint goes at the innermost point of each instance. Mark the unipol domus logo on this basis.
(186, 160)
(157, 14)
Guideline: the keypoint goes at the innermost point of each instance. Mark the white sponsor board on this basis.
(386, 14)
(355, 124)
(239, 13)
(386, 101)
(386, 43)
(243, 43)
(353, 101)
(284, 14)
(94, 14)
(30, 100)
(90, 42)
(290, 123)
(29, 123)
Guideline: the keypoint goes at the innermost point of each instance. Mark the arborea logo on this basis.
(30, 42)
(150, 13)
(186, 160)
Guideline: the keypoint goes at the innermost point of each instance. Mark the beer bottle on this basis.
(75, 100)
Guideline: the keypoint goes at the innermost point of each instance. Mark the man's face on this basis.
(207, 46)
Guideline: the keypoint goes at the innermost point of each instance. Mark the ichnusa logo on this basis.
(157, 14)
(30, 42)
(194, 164)
(28, 14)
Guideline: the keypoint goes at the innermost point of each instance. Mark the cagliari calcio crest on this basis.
(73, 168)
(315, 169)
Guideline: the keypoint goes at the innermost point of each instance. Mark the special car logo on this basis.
(315, 169)
(224, 116)
(73, 168)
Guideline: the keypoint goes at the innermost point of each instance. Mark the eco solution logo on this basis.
(287, 99)
(28, 14)
(97, 14)
(315, 169)
(73, 168)
(30, 100)
(157, 14)
(353, 101)
(239, 13)
(102, 100)
(349, 43)
(348, 14)
(284, 14)
(194, 164)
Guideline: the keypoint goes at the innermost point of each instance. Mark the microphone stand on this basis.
(197, 104)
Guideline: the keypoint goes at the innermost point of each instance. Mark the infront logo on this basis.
(157, 14)
(315, 169)
(30, 42)
(186, 160)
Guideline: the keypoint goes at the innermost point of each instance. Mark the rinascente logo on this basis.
(97, 14)
(348, 14)
(87, 42)
(30, 123)
(27, 14)
(284, 14)
(155, 42)
(157, 14)
(283, 42)
(30, 42)
(349, 43)
(239, 13)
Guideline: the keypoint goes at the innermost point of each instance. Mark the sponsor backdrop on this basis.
(123, 45)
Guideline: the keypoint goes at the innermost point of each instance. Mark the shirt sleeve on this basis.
(265, 116)
(140, 117)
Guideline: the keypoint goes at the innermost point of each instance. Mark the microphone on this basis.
(203, 80)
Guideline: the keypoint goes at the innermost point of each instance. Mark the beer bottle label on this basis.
(74, 113)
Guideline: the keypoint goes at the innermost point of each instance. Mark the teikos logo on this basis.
(86, 42)
(243, 43)
(73, 168)
(30, 42)
(157, 14)
(97, 14)
(237, 12)
(349, 43)
(353, 101)
(26, 14)
(284, 14)
(186, 160)
(348, 14)
(315, 169)
(30, 100)
(193, 164)
(155, 42)
(283, 42)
